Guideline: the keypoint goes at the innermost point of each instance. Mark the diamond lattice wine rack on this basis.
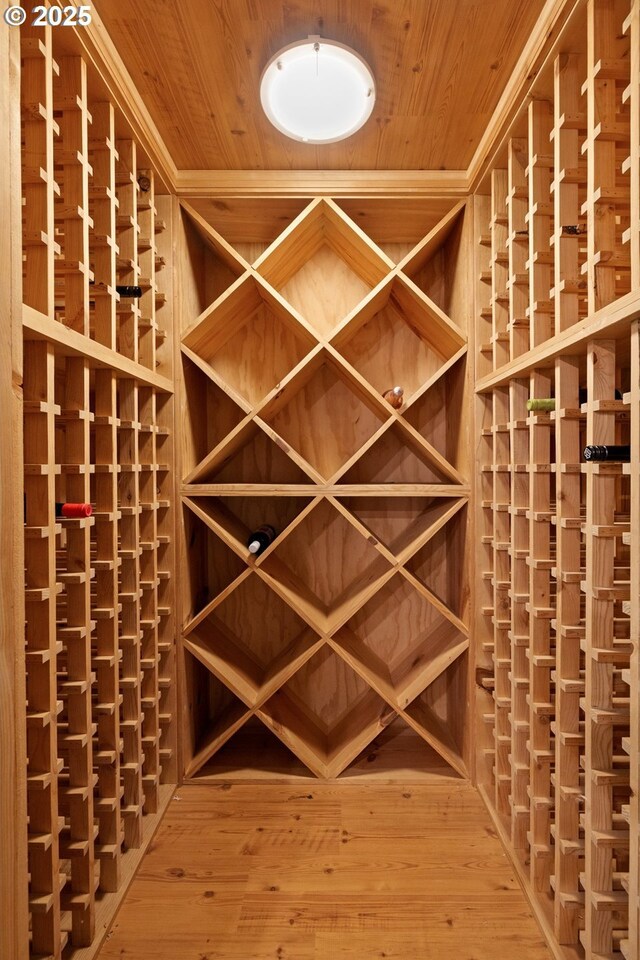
(356, 615)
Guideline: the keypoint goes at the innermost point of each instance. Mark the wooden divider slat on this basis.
(147, 327)
(539, 222)
(634, 667)
(166, 600)
(499, 267)
(541, 660)
(103, 206)
(149, 582)
(129, 600)
(75, 661)
(569, 798)
(38, 183)
(127, 231)
(606, 198)
(72, 273)
(517, 243)
(107, 566)
(519, 627)
(633, 34)
(599, 676)
(486, 644)
(483, 273)
(501, 601)
(568, 188)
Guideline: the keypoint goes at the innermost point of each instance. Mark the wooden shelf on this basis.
(283, 378)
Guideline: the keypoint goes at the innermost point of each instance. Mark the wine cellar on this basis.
(320, 474)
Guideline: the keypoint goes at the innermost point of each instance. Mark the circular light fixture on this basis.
(317, 91)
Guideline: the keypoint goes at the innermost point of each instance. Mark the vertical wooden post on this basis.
(633, 947)
(501, 603)
(632, 163)
(13, 802)
(598, 702)
(519, 595)
(517, 243)
(539, 221)
(569, 848)
(127, 266)
(569, 287)
(604, 129)
(104, 204)
(72, 273)
(130, 551)
(499, 267)
(541, 611)
(105, 610)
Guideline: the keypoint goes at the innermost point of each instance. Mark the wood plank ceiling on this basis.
(440, 67)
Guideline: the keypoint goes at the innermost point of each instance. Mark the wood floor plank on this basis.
(328, 871)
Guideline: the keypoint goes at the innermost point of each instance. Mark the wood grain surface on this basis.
(440, 69)
(318, 870)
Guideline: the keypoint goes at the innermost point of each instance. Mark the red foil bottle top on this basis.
(73, 511)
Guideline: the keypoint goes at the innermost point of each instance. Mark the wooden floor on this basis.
(346, 870)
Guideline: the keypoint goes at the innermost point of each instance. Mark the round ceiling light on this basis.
(317, 91)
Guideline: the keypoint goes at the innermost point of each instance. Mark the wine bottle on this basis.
(73, 511)
(394, 396)
(548, 403)
(541, 403)
(573, 229)
(597, 452)
(260, 539)
(144, 183)
(126, 291)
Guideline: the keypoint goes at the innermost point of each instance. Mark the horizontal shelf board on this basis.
(71, 343)
(335, 490)
(611, 321)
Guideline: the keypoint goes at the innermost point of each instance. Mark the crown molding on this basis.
(315, 183)
(100, 52)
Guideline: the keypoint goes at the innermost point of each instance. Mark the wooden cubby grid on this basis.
(557, 609)
(282, 380)
(98, 425)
